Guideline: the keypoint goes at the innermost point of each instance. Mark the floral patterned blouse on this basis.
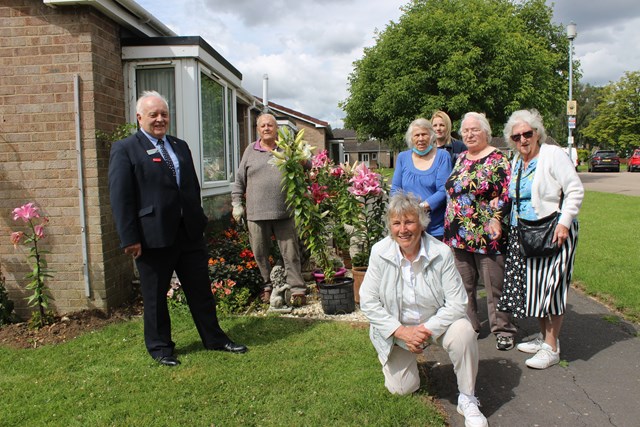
(470, 187)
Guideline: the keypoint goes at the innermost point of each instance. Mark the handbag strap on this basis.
(518, 190)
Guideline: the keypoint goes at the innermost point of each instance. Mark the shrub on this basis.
(6, 305)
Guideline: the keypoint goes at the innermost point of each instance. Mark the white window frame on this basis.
(188, 120)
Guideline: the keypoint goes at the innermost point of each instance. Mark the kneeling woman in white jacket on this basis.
(413, 295)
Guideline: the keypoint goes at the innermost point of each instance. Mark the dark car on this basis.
(604, 160)
(633, 164)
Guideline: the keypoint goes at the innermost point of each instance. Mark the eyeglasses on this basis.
(516, 138)
(473, 131)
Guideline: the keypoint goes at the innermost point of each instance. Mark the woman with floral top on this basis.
(473, 229)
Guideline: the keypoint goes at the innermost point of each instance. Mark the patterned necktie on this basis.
(166, 157)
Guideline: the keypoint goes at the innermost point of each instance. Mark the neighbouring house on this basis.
(71, 68)
(317, 132)
(373, 152)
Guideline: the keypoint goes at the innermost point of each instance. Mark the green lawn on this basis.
(297, 372)
(608, 256)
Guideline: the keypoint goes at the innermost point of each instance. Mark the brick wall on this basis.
(314, 136)
(41, 50)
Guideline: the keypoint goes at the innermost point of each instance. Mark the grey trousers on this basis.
(260, 233)
(490, 268)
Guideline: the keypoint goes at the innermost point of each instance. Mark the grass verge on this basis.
(608, 251)
(297, 372)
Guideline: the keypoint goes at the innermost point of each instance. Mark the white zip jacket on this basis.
(440, 292)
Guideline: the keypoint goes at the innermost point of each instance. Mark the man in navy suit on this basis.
(155, 199)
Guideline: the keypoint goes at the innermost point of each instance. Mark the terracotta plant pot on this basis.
(358, 276)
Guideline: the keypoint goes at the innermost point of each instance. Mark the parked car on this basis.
(633, 164)
(604, 160)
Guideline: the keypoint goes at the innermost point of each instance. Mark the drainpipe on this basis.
(83, 219)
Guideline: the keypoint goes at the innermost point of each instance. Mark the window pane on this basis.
(230, 132)
(213, 130)
(162, 80)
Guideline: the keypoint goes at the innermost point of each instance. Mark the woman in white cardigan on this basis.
(538, 287)
(413, 295)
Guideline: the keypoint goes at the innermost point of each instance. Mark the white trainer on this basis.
(533, 346)
(468, 408)
(544, 358)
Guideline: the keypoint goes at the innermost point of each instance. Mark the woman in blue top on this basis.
(423, 170)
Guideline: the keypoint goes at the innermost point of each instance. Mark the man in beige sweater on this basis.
(258, 187)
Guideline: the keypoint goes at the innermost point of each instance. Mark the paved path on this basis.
(599, 384)
(626, 183)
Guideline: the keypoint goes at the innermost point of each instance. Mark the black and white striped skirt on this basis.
(537, 287)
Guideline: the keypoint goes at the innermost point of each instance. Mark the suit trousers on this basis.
(284, 230)
(461, 344)
(490, 268)
(188, 258)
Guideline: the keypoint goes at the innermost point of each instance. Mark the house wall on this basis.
(313, 135)
(41, 50)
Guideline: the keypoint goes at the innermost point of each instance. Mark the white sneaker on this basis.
(533, 346)
(544, 358)
(468, 408)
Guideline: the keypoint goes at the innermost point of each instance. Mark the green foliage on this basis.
(232, 259)
(236, 301)
(617, 121)
(234, 274)
(496, 57)
(310, 218)
(121, 132)
(296, 373)
(6, 305)
(583, 155)
(587, 97)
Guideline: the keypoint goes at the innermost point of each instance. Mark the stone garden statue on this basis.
(281, 291)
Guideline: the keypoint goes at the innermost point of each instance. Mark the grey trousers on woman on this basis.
(474, 267)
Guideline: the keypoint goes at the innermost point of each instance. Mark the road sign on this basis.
(572, 122)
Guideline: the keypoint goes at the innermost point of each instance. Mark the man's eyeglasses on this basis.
(516, 138)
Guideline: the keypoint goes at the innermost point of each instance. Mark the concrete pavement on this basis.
(596, 384)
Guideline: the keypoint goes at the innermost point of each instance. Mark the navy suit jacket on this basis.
(147, 203)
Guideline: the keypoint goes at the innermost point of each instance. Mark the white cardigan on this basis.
(554, 174)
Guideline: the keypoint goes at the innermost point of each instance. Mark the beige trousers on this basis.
(459, 341)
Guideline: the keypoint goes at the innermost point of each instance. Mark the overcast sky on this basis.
(308, 47)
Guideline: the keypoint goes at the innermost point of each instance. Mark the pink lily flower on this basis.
(26, 212)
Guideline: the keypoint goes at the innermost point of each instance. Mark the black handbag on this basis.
(535, 236)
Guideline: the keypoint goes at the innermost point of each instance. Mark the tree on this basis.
(490, 56)
(617, 121)
(587, 97)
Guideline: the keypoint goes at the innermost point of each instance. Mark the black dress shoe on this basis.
(232, 347)
(168, 360)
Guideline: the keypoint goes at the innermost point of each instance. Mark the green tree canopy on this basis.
(490, 56)
(617, 121)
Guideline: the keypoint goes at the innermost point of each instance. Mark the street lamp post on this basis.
(571, 104)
